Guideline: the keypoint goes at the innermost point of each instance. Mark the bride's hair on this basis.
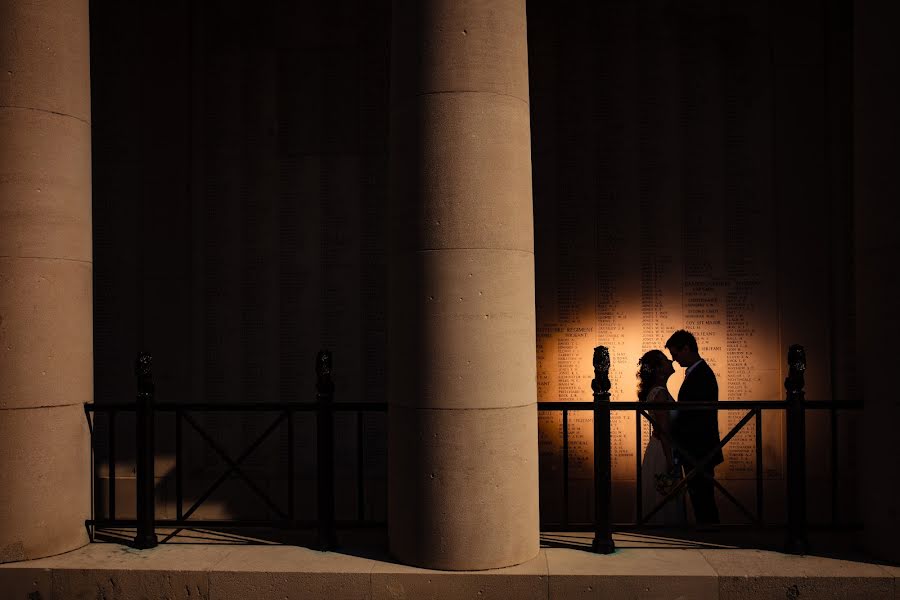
(648, 372)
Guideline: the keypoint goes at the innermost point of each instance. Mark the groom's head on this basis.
(682, 345)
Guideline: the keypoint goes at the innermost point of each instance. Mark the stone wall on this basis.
(687, 171)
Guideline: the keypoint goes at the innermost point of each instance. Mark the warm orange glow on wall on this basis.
(749, 368)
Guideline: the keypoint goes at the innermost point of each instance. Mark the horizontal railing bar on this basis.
(720, 405)
(632, 406)
(185, 524)
(566, 405)
(273, 406)
(243, 406)
(383, 406)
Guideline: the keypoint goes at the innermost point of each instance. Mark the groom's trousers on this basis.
(702, 492)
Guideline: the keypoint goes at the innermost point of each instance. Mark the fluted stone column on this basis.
(877, 213)
(46, 369)
(463, 473)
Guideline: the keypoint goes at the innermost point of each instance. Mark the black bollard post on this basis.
(325, 449)
(603, 542)
(797, 541)
(145, 536)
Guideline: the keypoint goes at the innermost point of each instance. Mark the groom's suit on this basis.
(697, 432)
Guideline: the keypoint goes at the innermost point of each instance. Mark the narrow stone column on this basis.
(46, 367)
(876, 189)
(463, 473)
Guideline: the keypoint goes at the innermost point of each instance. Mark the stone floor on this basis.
(195, 565)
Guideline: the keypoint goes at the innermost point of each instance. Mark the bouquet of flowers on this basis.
(667, 480)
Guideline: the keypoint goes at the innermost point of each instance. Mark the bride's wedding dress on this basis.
(654, 464)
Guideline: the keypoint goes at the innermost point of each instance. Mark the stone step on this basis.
(205, 571)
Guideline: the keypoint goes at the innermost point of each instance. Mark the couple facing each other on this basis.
(695, 433)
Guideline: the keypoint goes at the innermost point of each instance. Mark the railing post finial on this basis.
(601, 382)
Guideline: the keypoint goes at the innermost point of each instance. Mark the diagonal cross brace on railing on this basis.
(698, 465)
(234, 465)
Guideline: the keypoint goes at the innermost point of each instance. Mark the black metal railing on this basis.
(795, 407)
(146, 411)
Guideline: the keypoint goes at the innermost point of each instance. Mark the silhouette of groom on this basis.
(696, 432)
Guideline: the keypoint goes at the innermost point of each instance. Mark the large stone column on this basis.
(46, 367)
(876, 189)
(463, 473)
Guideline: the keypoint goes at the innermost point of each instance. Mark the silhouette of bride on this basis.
(658, 472)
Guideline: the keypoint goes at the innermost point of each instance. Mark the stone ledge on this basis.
(248, 572)
(763, 574)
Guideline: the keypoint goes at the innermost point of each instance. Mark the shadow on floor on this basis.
(372, 543)
(838, 544)
(364, 543)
